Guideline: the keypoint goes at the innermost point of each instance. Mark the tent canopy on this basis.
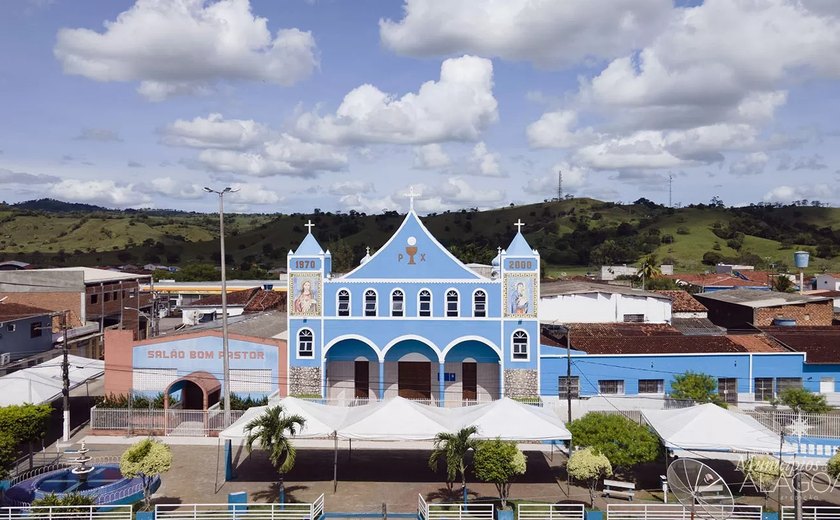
(708, 427)
(399, 419)
(43, 382)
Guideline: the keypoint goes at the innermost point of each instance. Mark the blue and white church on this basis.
(413, 321)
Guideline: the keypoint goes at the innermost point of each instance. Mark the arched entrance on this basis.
(411, 371)
(197, 390)
(352, 372)
(474, 370)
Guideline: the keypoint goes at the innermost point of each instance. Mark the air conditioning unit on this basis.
(5, 358)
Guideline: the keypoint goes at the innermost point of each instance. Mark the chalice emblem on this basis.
(411, 249)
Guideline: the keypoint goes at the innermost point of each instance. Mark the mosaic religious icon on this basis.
(306, 294)
(521, 296)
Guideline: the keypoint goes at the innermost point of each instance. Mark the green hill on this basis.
(572, 235)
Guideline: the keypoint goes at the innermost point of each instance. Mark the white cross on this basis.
(309, 225)
(519, 225)
(367, 250)
(411, 195)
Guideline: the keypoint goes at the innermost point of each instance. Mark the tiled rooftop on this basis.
(682, 301)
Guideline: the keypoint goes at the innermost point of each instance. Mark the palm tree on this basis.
(454, 447)
(649, 270)
(269, 429)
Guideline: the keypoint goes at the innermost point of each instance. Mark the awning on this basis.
(710, 428)
(321, 420)
(43, 383)
(396, 419)
(511, 420)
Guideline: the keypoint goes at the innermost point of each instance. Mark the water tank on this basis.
(800, 259)
(784, 322)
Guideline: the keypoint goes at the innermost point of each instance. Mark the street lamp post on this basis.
(225, 360)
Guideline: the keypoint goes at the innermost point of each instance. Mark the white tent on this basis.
(396, 419)
(512, 420)
(710, 428)
(321, 420)
(44, 382)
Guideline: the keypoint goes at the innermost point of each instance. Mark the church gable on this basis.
(412, 253)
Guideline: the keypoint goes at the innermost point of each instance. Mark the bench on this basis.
(617, 488)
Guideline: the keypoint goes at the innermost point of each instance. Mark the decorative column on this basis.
(382, 380)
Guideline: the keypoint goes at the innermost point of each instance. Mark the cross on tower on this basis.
(519, 225)
(367, 250)
(309, 225)
(411, 195)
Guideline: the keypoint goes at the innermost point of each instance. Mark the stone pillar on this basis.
(381, 380)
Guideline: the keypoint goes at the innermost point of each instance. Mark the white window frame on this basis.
(365, 303)
(402, 311)
(298, 353)
(338, 303)
(474, 302)
(420, 305)
(457, 303)
(513, 345)
(619, 387)
(660, 387)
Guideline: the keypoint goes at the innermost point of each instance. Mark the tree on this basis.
(589, 465)
(764, 472)
(146, 459)
(700, 388)
(8, 452)
(648, 270)
(454, 448)
(833, 466)
(801, 400)
(270, 430)
(782, 283)
(625, 443)
(26, 423)
(498, 462)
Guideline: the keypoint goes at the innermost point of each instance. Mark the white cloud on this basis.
(430, 156)
(458, 107)
(454, 193)
(545, 186)
(105, 192)
(350, 188)
(214, 131)
(548, 32)
(24, 178)
(185, 46)
(254, 193)
(173, 188)
(484, 162)
(639, 150)
(555, 130)
(285, 155)
(750, 164)
(787, 194)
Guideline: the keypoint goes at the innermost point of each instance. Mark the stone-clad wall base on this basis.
(305, 380)
(521, 382)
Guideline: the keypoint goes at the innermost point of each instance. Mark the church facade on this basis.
(413, 321)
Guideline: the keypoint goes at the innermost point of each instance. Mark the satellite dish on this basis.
(700, 488)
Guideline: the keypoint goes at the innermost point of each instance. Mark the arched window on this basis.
(397, 303)
(425, 303)
(344, 302)
(370, 302)
(520, 346)
(480, 304)
(304, 345)
(451, 303)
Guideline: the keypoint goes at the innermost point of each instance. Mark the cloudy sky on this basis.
(343, 105)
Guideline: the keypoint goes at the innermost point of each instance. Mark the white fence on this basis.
(818, 425)
(65, 513)
(454, 511)
(674, 512)
(262, 511)
(813, 513)
(550, 511)
(193, 423)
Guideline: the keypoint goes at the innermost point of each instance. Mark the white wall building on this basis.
(611, 272)
(582, 302)
(828, 282)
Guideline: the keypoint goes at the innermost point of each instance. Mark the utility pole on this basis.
(65, 375)
(568, 375)
(670, 192)
(225, 356)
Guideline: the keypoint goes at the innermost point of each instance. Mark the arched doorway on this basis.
(475, 369)
(411, 371)
(196, 391)
(352, 372)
